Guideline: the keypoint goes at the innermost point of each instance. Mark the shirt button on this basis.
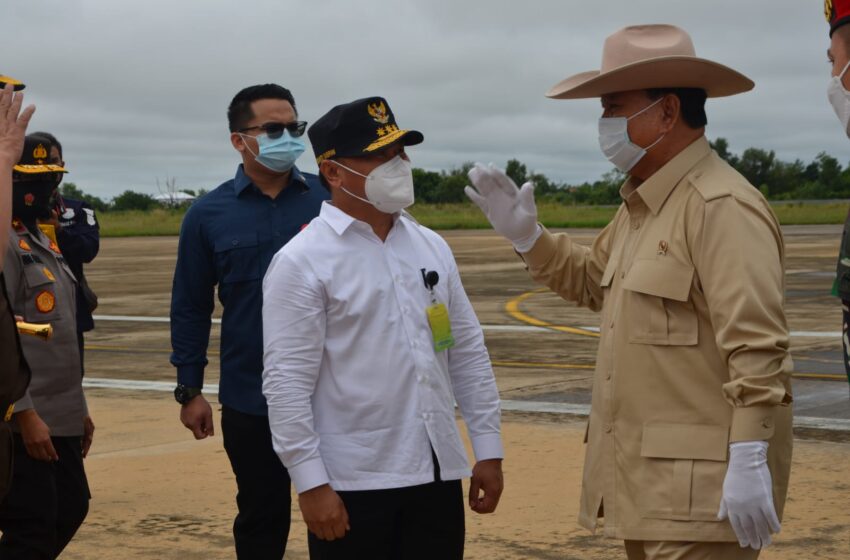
(609, 428)
(424, 415)
(235, 242)
(277, 234)
(636, 225)
(274, 204)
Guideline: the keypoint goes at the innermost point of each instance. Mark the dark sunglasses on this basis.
(275, 129)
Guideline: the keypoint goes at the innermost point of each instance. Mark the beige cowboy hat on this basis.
(647, 57)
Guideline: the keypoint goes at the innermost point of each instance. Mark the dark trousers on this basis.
(845, 341)
(261, 527)
(423, 522)
(46, 504)
(81, 342)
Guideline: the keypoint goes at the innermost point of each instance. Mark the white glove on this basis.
(748, 495)
(511, 211)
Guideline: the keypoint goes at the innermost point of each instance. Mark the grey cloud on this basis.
(138, 91)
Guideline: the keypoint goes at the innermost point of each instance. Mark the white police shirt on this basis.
(357, 394)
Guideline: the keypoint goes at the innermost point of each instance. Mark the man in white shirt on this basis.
(369, 340)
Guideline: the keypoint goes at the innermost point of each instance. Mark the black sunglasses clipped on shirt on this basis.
(275, 129)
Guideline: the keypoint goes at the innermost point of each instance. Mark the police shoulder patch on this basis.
(45, 301)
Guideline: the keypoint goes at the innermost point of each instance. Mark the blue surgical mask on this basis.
(278, 154)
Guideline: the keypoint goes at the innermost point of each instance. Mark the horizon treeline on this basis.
(823, 178)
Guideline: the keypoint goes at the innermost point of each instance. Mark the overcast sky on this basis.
(138, 90)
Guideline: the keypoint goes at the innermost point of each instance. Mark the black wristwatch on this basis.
(183, 394)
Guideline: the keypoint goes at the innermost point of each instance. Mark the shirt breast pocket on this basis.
(41, 305)
(237, 258)
(657, 298)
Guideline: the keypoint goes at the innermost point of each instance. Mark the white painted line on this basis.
(831, 424)
(138, 385)
(556, 408)
(493, 328)
(138, 319)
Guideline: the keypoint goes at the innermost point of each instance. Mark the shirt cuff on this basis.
(487, 446)
(191, 375)
(525, 245)
(542, 251)
(308, 475)
(752, 423)
(24, 403)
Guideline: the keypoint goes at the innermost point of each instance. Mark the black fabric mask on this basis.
(33, 200)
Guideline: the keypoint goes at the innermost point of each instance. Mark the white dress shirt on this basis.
(357, 395)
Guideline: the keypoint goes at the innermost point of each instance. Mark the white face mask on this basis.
(389, 187)
(839, 98)
(615, 142)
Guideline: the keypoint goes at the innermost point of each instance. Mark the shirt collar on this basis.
(340, 221)
(655, 190)
(242, 181)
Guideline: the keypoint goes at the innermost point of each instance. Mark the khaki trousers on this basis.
(674, 550)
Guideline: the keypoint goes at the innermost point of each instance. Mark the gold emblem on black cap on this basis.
(378, 112)
(40, 152)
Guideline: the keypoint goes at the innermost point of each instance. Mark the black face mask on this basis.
(33, 200)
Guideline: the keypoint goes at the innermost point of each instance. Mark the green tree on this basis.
(426, 184)
(72, 191)
(517, 171)
(131, 200)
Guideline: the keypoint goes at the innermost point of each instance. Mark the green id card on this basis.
(441, 327)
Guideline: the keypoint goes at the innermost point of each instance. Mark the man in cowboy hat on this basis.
(689, 436)
(838, 15)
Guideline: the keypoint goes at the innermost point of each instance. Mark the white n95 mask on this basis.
(839, 98)
(615, 142)
(389, 187)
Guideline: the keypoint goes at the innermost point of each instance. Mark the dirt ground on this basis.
(159, 494)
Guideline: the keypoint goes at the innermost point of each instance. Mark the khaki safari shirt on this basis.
(41, 288)
(693, 354)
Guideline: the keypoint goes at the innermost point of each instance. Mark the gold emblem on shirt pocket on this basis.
(657, 298)
(682, 471)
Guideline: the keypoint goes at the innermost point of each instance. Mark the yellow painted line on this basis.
(514, 310)
(833, 376)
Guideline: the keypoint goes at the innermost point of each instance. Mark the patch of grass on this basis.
(466, 216)
(138, 223)
(810, 213)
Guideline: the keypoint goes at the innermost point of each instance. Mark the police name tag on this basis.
(441, 326)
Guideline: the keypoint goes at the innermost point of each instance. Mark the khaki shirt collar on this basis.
(655, 190)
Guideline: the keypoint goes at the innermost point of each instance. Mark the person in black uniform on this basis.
(14, 372)
(78, 236)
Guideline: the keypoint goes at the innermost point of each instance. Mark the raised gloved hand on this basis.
(748, 495)
(511, 211)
